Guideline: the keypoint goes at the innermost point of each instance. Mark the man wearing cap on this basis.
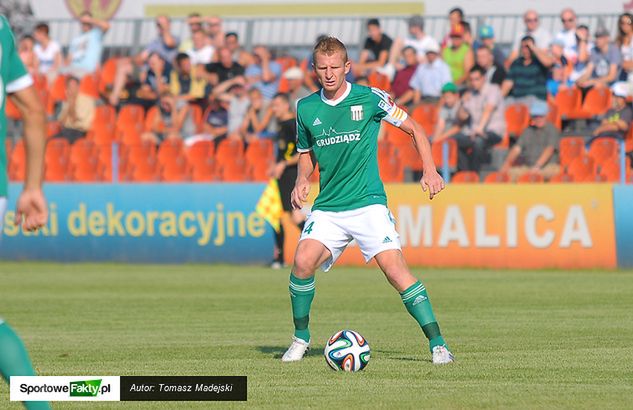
(527, 77)
(604, 64)
(487, 39)
(296, 88)
(542, 38)
(484, 109)
(536, 151)
(448, 123)
(428, 79)
(458, 55)
(616, 121)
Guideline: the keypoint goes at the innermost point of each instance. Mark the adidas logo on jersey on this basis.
(387, 240)
(316, 122)
(419, 299)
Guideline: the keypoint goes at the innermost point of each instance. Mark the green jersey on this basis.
(13, 77)
(343, 135)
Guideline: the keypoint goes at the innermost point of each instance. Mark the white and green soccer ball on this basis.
(347, 350)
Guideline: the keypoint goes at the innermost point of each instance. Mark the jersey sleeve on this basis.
(15, 77)
(386, 109)
(304, 139)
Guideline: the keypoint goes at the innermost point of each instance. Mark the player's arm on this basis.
(430, 178)
(305, 168)
(31, 210)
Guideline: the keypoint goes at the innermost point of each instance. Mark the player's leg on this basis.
(416, 300)
(321, 243)
(376, 235)
(14, 361)
(309, 256)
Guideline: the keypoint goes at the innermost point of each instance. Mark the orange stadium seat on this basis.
(88, 86)
(200, 152)
(378, 80)
(203, 172)
(530, 178)
(233, 171)
(496, 178)
(17, 163)
(571, 148)
(229, 148)
(85, 172)
(390, 169)
(259, 150)
(175, 171)
(107, 74)
(426, 115)
(603, 148)
(581, 168)
(597, 102)
(57, 94)
(258, 171)
(610, 170)
(385, 147)
(568, 101)
(55, 173)
(465, 177)
(169, 151)
(395, 135)
(517, 118)
(104, 114)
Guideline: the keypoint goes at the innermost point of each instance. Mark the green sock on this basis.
(416, 300)
(14, 361)
(301, 295)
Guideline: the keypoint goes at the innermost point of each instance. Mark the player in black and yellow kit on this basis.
(285, 168)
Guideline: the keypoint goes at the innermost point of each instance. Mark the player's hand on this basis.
(432, 181)
(31, 210)
(300, 193)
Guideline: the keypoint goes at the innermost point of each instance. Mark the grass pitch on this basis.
(541, 339)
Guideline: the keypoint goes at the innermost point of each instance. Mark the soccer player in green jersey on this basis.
(337, 127)
(31, 209)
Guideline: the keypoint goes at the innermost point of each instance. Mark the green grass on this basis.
(540, 339)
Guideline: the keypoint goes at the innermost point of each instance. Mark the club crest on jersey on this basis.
(357, 112)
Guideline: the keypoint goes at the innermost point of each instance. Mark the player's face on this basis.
(331, 70)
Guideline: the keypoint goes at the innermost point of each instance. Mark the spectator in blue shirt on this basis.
(84, 53)
(264, 74)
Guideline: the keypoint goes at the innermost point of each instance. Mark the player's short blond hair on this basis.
(329, 45)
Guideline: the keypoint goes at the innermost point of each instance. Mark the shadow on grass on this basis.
(278, 351)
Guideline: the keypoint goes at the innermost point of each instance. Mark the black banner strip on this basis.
(183, 388)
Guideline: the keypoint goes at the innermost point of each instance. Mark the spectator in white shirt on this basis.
(542, 37)
(428, 79)
(48, 52)
(568, 34)
(201, 52)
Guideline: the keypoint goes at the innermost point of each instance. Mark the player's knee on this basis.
(304, 266)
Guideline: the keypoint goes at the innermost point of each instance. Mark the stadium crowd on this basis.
(553, 108)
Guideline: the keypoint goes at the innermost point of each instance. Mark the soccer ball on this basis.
(347, 350)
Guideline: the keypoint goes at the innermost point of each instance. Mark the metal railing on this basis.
(296, 35)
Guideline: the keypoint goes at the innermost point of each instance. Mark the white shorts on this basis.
(373, 227)
(3, 210)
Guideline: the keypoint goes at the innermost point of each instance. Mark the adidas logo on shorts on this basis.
(387, 240)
